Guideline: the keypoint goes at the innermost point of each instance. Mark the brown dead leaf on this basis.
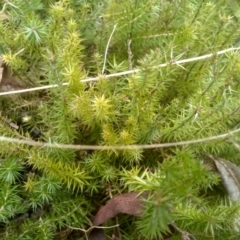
(129, 203)
(230, 174)
(1, 68)
(4, 16)
(8, 82)
(1, 73)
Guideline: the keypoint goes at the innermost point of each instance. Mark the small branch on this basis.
(129, 41)
(154, 36)
(89, 229)
(106, 51)
(20, 51)
(124, 73)
(236, 145)
(185, 235)
(7, 2)
(116, 147)
(9, 123)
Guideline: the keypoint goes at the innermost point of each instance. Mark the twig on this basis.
(9, 123)
(124, 73)
(115, 147)
(129, 41)
(185, 235)
(236, 145)
(86, 231)
(154, 36)
(7, 2)
(106, 51)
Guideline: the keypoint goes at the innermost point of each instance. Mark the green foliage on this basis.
(11, 203)
(156, 217)
(69, 173)
(10, 171)
(53, 193)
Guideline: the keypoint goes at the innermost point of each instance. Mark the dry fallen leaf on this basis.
(4, 16)
(230, 174)
(128, 203)
(9, 82)
(1, 69)
(1, 73)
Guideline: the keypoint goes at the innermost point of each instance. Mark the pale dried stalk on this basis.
(116, 147)
(125, 72)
